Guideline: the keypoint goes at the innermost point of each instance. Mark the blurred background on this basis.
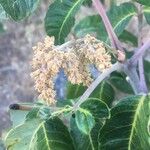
(16, 44)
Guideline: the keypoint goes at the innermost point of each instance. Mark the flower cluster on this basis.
(74, 59)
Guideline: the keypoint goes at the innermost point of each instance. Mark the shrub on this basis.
(89, 118)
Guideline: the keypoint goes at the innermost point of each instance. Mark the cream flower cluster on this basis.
(48, 59)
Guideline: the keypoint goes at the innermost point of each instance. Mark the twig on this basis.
(131, 72)
(143, 86)
(140, 52)
(113, 37)
(100, 78)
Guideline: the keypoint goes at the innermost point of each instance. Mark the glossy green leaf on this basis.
(96, 107)
(119, 17)
(119, 81)
(143, 2)
(60, 18)
(146, 11)
(85, 141)
(74, 90)
(84, 120)
(104, 92)
(128, 128)
(52, 134)
(19, 9)
(90, 110)
(37, 134)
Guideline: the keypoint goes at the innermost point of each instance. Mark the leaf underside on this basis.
(36, 134)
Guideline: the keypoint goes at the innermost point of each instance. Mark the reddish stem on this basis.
(113, 37)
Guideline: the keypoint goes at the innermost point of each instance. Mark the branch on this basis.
(113, 37)
(139, 53)
(100, 78)
(143, 86)
(131, 72)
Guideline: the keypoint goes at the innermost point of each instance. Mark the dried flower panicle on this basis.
(93, 52)
(49, 59)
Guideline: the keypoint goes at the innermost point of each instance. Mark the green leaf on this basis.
(74, 90)
(147, 72)
(128, 37)
(143, 2)
(34, 113)
(20, 136)
(52, 134)
(2, 147)
(37, 135)
(85, 141)
(90, 24)
(146, 11)
(18, 116)
(96, 107)
(69, 102)
(87, 2)
(60, 18)
(2, 14)
(104, 92)
(90, 110)
(118, 80)
(2, 17)
(119, 17)
(19, 9)
(128, 128)
(2, 30)
(84, 120)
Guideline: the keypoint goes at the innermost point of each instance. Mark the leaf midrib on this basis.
(124, 18)
(135, 120)
(47, 141)
(129, 15)
(67, 16)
